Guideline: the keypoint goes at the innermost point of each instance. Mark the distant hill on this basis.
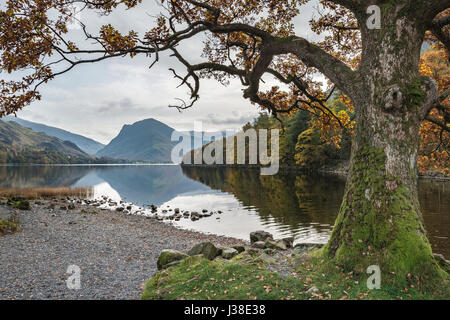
(88, 145)
(19, 144)
(147, 140)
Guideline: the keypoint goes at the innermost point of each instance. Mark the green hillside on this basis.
(19, 144)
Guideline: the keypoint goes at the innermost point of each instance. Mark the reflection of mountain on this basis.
(289, 198)
(137, 184)
(148, 184)
(41, 176)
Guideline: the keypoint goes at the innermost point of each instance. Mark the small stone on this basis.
(239, 249)
(260, 236)
(289, 241)
(208, 250)
(275, 244)
(305, 247)
(167, 257)
(228, 253)
(312, 290)
(259, 245)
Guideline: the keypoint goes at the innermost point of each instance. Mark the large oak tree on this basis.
(376, 68)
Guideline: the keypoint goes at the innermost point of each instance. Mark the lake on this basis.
(287, 204)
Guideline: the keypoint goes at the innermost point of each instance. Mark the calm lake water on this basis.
(288, 204)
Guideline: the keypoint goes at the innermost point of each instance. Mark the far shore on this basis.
(328, 170)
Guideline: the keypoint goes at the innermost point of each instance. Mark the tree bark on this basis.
(380, 222)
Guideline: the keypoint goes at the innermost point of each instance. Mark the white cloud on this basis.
(97, 100)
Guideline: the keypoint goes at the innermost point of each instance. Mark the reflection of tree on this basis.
(289, 198)
(434, 200)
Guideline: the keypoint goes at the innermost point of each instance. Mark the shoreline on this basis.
(338, 172)
(116, 252)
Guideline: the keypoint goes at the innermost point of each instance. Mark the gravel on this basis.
(116, 253)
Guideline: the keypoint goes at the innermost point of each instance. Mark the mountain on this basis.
(147, 140)
(87, 145)
(19, 144)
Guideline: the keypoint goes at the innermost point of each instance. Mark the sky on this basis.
(96, 100)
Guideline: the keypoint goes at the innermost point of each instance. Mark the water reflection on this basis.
(295, 201)
(287, 204)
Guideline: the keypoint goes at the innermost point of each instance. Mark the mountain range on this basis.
(88, 145)
(24, 141)
(19, 144)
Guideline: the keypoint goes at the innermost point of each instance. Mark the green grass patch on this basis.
(333, 282)
(247, 278)
(19, 203)
(9, 225)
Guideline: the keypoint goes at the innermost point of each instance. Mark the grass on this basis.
(245, 277)
(43, 192)
(10, 225)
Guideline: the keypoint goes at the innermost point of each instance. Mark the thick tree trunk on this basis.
(380, 222)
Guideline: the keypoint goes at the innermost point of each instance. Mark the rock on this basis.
(312, 290)
(239, 249)
(269, 251)
(208, 250)
(167, 257)
(71, 206)
(228, 253)
(195, 216)
(266, 258)
(259, 236)
(129, 207)
(204, 211)
(63, 208)
(289, 241)
(305, 247)
(172, 264)
(259, 245)
(304, 257)
(275, 244)
(120, 209)
(177, 210)
(194, 259)
(442, 261)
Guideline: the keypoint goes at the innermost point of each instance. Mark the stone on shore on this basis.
(259, 245)
(305, 247)
(275, 244)
(259, 236)
(228, 253)
(239, 249)
(168, 257)
(289, 242)
(208, 250)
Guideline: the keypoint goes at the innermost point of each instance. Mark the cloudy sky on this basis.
(97, 100)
